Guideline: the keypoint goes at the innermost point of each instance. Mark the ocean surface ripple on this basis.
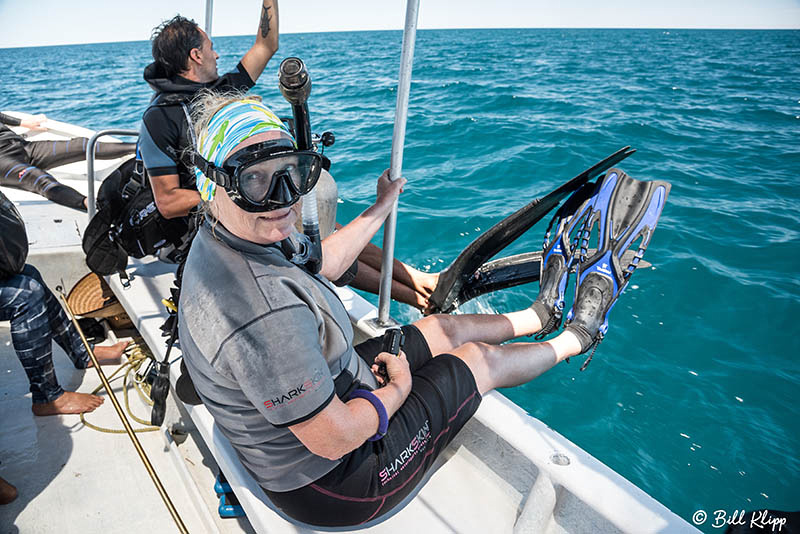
(693, 393)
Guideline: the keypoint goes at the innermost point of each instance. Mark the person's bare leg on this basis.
(7, 492)
(475, 339)
(496, 366)
(109, 355)
(409, 285)
(368, 279)
(422, 282)
(446, 332)
(68, 403)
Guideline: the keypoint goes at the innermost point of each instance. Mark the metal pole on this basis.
(209, 16)
(128, 429)
(396, 166)
(90, 163)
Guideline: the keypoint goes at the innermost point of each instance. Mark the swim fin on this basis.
(558, 256)
(453, 278)
(624, 211)
(502, 273)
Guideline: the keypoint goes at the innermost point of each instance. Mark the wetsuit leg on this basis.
(21, 175)
(23, 301)
(49, 154)
(17, 170)
(64, 332)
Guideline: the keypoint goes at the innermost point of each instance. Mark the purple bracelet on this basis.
(383, 418)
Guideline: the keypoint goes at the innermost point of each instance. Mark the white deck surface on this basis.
(72, 479)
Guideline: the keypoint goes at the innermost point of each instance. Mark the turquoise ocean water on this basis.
(693, 395)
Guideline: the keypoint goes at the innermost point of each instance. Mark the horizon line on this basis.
(429, 29)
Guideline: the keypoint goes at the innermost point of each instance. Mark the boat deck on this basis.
(505, 472)
(91, 481)
(74, 479)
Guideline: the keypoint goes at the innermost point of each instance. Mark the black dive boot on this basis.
(588, 317)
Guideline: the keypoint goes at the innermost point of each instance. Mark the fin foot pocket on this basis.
(548, 317)
(548, 304)
(588, 316)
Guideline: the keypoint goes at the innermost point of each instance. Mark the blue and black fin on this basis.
(558, 256)
(623, 217)
(507, 272)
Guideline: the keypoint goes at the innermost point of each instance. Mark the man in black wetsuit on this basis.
(184, 64)
(24, 164)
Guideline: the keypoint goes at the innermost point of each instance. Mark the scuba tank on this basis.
(295, 85)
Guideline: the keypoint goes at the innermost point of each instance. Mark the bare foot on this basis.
(424, 283)
(69, 402)
(109, 355)
(7, 492)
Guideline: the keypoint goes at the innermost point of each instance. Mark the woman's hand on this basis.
(397, 368)
(388, 190)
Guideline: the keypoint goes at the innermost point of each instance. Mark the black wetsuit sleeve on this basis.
(159, 140)
(237, 79)
(13, 121)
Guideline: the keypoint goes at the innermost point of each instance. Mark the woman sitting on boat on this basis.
(269, 345)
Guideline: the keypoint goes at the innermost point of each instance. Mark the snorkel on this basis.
(295, 85)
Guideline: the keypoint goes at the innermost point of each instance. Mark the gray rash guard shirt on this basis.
(263, 341)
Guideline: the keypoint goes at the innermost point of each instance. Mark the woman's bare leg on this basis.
(368, 279)
(446, 332)
(475, 340)
(502, 366)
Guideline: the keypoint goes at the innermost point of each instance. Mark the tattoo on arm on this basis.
(264, 24)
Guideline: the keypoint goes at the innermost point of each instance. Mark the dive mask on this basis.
(265, 176)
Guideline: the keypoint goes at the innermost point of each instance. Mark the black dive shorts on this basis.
(373, 479)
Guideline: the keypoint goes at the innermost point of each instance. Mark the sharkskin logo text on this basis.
(296, 393)
(417, 445)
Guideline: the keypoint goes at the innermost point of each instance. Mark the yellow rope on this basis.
(137, 354)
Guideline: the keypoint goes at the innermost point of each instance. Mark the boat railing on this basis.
(90, 163)
(396, 166)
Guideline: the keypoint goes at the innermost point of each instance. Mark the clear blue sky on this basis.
(48, 22)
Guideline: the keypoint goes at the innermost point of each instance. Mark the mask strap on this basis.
(217, 175)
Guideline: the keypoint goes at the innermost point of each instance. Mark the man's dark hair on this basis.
(172, 41)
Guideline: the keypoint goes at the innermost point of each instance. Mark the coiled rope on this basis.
(138, 354)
